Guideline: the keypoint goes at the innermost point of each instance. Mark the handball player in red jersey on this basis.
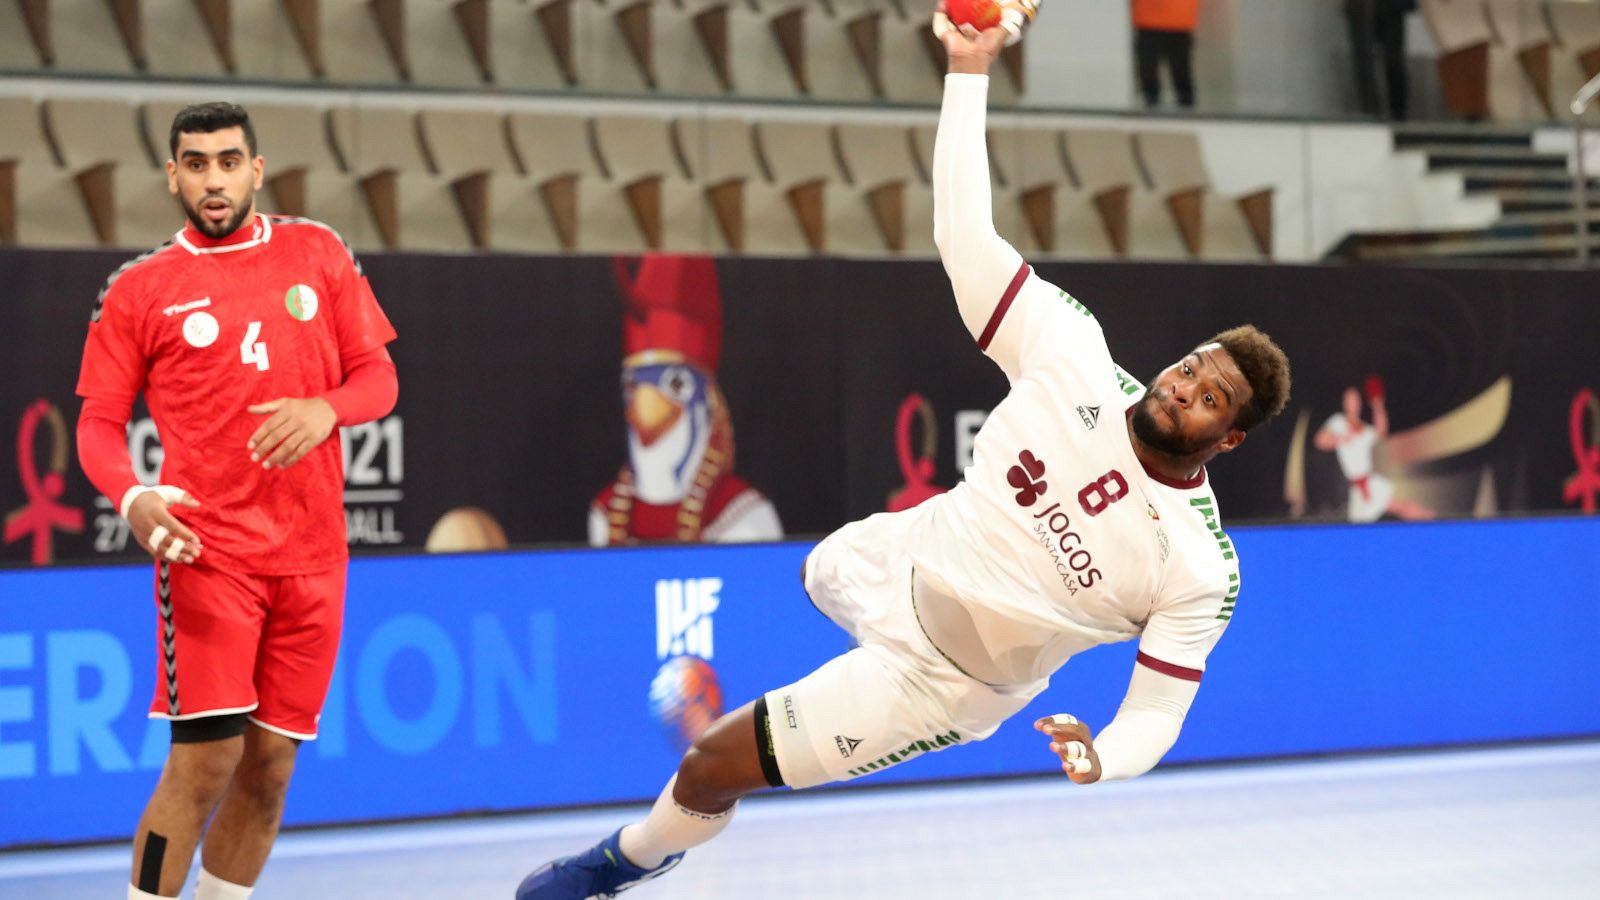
(252, 337)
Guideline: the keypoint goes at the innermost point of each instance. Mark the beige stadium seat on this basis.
(890, 195)
(554, 150)
(1461, 30)
(120, 185)
(1235, 228)
(913, 59)
(90, 36)
(615, 44)
(801, 164)
(25, 36)
(472, 151)
(1519, 62)
(1103, 168)
(770, 57)
(1031, 163)
(303, 176)
(1575, 25)
(693, 43)
(533, 43)
(448, 41)
(275, 40)
(655, 205)
(721, 157)
(361, 41)
(839, 39)
(40, 203)
(408, 206)
(181, 37)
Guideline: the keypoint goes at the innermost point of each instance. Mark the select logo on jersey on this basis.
(1028, 478)
(200, 329)
(847, 745)
(1090, 416)
(302, 302)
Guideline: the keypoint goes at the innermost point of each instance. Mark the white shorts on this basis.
(1371, 504)
(893, 698)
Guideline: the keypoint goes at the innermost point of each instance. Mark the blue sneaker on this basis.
(597, 873)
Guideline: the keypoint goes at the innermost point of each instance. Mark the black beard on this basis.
(1172, 443)
(216, 232)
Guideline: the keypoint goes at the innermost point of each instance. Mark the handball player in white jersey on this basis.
(1086, 518)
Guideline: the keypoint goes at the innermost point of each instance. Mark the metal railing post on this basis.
(1580, 104)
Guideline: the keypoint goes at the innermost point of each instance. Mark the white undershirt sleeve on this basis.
(979, 262)
(1146, 725)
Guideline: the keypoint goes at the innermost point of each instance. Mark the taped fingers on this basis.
(1063, 719)
(174, 549)
(1071, 750)
(1077, 766)
(157, 535)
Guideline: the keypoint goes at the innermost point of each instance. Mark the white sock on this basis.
(670, 828)
(136, 894)
(210, 887)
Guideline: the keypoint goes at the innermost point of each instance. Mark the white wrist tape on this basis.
(165, 491)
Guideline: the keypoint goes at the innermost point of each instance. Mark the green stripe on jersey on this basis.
(1207, 507)
(1073, 302)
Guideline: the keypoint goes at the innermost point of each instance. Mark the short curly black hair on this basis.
(204, 118)
(1266, 368)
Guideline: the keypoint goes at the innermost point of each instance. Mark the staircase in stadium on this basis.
(1537, 197)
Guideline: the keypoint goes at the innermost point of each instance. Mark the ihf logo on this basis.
(684, 695)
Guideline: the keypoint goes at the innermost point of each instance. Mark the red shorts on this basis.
(236, 643)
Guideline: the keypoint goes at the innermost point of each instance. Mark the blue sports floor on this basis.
(1520, 823)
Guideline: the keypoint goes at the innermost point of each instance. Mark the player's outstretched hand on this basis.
(294, 427)
(1070, 740)
(158, 530)
(971, 51)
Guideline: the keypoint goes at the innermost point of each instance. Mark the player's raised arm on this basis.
(980, 263)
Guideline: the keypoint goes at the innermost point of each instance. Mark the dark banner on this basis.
(570, 400)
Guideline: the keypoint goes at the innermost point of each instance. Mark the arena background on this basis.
(510, 400)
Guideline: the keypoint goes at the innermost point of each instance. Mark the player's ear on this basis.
(172, 177)
(1232, 439)
(259, 166)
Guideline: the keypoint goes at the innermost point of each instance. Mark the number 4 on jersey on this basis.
(252, 351)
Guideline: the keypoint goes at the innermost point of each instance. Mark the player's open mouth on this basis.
(216, 210)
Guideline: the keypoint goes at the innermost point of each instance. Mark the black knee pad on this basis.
(208, 728)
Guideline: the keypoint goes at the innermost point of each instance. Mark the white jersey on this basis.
(1058, 537)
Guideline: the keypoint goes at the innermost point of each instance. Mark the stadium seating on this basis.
(885, 184)
(1176, 171)
(1519, 61)
(653, 204)
(120, 186)
(554, 150)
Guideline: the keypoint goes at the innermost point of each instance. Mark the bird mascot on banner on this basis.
(678, 484)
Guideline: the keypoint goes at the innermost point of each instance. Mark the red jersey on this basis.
(206, 328)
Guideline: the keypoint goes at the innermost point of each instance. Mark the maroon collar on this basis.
(1187, 484)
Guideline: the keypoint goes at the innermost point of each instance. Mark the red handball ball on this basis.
(1373, 388)
(980, 14)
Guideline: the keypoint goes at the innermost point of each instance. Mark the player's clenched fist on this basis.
(294, 427)
(157, 529)
(1070, 740)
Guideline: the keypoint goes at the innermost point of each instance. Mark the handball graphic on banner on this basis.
(685, 696)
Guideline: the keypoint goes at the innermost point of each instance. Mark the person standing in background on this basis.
(1164, 31)
(1375, 25)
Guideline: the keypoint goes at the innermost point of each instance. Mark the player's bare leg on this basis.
(241, 835)
(723, 765)
(194, 779)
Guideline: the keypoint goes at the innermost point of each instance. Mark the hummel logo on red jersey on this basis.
(176, 308)
(1026, 478)
(1090, 416)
